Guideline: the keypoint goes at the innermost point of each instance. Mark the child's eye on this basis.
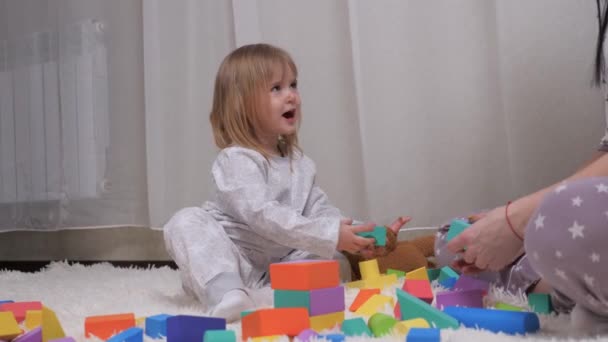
(276, 88)
(294, 85)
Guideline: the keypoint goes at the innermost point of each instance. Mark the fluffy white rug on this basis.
(76, 291)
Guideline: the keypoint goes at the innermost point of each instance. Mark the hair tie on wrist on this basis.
(509, 222)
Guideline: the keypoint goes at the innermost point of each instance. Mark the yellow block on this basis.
(369, 269)
(403, 327)
(327, 321)
(417, 274)
(9, 329)
(141, 322)
(377, 283)
(374, 304)
(51, 328)
(33, 319)
(266, 338)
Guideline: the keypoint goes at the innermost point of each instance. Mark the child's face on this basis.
(283, 112)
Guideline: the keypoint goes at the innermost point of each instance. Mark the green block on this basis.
(292, 299)
(355, 327)
(433, 273)
(540, 303)
(447, 272)
(456, 227)
(379, 234)
(219, 336)
(381, 324)
(412, 307)
(508, 307)
(399, 274)
(246, 312)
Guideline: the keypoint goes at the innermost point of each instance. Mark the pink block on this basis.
(19, 308)
(420, 289)
(467, 298)
(34, 335)
(328, 300)
(469, 283)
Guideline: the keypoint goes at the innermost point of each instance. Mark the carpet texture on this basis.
(76, 291)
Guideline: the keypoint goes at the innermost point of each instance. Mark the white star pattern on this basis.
(576, 230)
(577, 201)
(588, 279)
(561, 274)
(602, 188)
(595, 257)
(558, 254)
(539, 222)
(560, 188)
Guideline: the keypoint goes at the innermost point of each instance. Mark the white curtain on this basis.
(426, 108)
(72, 136)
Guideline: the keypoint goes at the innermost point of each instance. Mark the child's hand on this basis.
(398, 223)
(349, 241)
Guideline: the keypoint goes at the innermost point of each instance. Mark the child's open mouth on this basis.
(290, 114)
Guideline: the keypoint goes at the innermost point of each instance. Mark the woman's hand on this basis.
(489, 243)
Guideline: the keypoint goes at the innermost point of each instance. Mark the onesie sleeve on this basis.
(241, 178)
(318, 205)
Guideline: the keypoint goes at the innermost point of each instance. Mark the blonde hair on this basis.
(238, 97)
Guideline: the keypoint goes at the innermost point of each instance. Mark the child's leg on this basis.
(211, 265)
(565, 240)
(345, 270)
(518, 276)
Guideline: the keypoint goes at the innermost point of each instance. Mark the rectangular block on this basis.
(304, 275)
(417, 274)
(19, 308)
(327, 321)
(465, 282)
(9, 328)
(466, 298)
(540, 303)
(191, 328)
(277, 321)
(156, 326)
(134, 334)
(105, 326)
(420, 289)
(318, 301)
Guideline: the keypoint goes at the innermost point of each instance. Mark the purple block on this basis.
(63, 339)
(306, 335)
(191, 328)
(34, 335)
(469, 283)
(327, 300)
(466, 298)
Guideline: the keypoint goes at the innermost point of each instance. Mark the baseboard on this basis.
(35, 266)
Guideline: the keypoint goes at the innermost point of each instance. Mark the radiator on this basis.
(54, 117)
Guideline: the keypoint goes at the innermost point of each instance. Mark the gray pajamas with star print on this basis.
(566, 242)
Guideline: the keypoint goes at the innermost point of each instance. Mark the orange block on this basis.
(106, 326)
(19, 308)
(419, 288)
(277, 321)
(304, 275)
(362, 297)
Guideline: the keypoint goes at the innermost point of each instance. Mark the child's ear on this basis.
(398, 223)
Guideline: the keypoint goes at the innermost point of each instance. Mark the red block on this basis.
(19, 308)
(304, 275)
(278, 321)
(420, 289)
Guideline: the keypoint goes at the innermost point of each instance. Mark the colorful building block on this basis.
(381, 324)
(417, 274)
(419, 288)
(275, 321)
(105, 326)
(447, 277)
(33, 318)
(465, 282)
(423, 335)
(403, 327)
(362, 297)
(508, 322)
(156, 326)
(317, 301)
(9, 328)
(306, 334)
(135, 334)
(508, 307)
(355, 327)
(466, 298)
(6, 301)
(34, 335)
(191, 328)
(379, 234)
(326, 321)
(369, 269)
(456, 227)
(219, 336)
(374, 304)
(273, 338)
(412, 307)
(19, 308)
(304, 275)
(381, 282)
(333, 337)
(51, 327)
(433, 273)
(399, 274)
(540, 303)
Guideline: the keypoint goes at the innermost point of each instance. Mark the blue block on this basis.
(448, 283)
(508, 322)
(156, 326)
(134, 334)
(184, 328)
(332, 337)
(423, 335)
